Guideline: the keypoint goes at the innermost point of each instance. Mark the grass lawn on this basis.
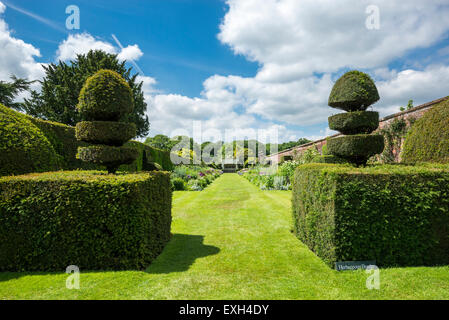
(232, 241)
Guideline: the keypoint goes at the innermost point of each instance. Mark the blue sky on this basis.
(243, 65)
(179, 37)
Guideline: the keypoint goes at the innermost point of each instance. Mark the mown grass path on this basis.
(232, 241)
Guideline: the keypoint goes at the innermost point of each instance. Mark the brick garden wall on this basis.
(416, 112)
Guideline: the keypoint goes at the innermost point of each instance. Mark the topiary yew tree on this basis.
(354, 92)
(105, 99)
(62, 84)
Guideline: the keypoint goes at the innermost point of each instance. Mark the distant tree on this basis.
(302, 141)
(63, 82)
(288, 145)
(161, 142)
(10, 90)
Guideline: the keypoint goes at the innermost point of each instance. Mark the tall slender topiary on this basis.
(354, 92)
(103, 101)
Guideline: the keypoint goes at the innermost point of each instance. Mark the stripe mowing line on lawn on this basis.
(249, 238)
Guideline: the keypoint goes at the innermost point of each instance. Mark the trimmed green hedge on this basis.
(428, 138)
(355, 122)
(394, 214)
(158, 156)
(147, 158)
(49, 146)
(356, 148)
(105, 132)
(63, 141)
(107, 155)
(86, 218)
(23, 147)
(328, 159)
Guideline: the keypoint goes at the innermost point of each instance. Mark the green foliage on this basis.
(356, 148)
(109, 156)
(247, 150)
(328, 159)
(324, 150)
(354, 91)
(194, 178)
(85, 218)
(278, 177)
(105, 132)
(161, 142)
(10, 90)
(307, 155)
(355, 122)
(159, 156)
(148, 158)
(288, 145)
(273, 177)
(428, 139)
(194, 185)
(62, 84)
(396, 215)
(105, 96)
(62, 142)
(302, 141)
(409, 106)
(393, 133)
(287, 170)
(286, 158)
(224, 237)
(23, 147)
(179, 184)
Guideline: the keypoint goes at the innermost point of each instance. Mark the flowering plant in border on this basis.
(193, 178)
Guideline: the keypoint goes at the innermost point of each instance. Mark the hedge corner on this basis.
(394, 214)
(85, 218)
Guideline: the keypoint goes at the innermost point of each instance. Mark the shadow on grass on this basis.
(180, 253)
(6, 275)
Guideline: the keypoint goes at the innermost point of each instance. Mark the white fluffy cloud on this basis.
(419, 85)
(292, 38)
(19, 58)
(130, 53)
(16, 56)
(82, 43)
(301, 46)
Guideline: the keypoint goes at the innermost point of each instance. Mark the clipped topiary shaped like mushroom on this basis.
(354, 92)
(104, 99)
(105, 96)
